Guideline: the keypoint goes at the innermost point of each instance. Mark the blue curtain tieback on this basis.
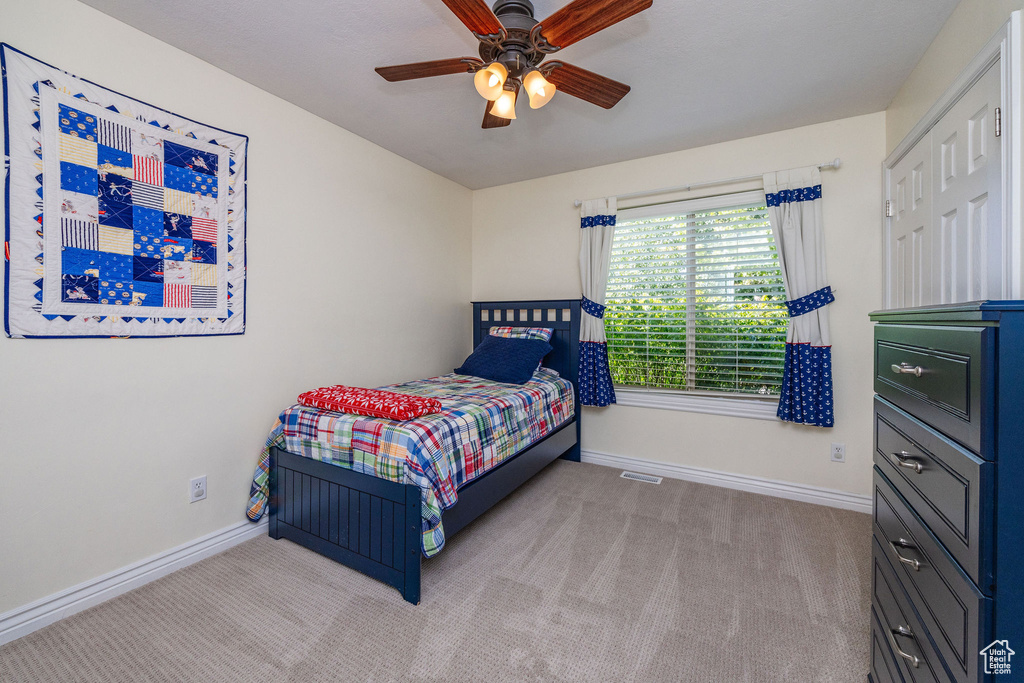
(810, 302)
(801, 194)
(591, 221)
(592, 307)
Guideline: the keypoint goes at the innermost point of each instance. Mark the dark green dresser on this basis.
(947, 590)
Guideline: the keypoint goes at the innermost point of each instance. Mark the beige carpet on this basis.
(578, 576)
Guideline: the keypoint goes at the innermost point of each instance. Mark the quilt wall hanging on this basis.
(122, 219)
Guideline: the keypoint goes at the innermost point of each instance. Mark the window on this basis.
(695, 298)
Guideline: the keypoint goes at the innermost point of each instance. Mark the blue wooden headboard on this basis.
(562, 315)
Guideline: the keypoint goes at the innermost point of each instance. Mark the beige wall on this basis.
(525, 245)
(966, 31)
(358, 273)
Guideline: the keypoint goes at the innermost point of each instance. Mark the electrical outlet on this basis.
(197, 489)
(838, 452)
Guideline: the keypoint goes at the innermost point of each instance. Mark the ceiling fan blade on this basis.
(491, 121)
(586, 85)
(582, 18)
(438, 67)
(476, 15)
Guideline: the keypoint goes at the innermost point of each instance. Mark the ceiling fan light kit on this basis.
(538, 88)
(490, 81)
(512, 46)
(505, 105)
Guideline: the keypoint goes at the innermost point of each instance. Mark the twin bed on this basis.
(378, 495)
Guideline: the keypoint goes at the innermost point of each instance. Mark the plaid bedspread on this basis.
(482, 424)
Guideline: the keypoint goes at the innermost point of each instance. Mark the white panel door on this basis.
(969, 256)
(909, 231)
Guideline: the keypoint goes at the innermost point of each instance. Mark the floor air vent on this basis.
(635, 476)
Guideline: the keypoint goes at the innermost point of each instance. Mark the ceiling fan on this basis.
(512, 46)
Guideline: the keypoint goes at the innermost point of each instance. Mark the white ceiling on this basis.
(702, 71)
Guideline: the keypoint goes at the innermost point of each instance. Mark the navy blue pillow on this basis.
(505, 360)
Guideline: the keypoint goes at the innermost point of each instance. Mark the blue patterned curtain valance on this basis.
(591, 221)
(810, 302)
(803, 194)
(592, 307)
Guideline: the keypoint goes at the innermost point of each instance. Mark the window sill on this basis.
(753, 408)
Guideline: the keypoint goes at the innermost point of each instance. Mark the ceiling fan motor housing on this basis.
(516, 52)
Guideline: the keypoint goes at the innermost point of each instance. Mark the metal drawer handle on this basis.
(908, 369)
(904, 543)
(904, 459)
(903, 631)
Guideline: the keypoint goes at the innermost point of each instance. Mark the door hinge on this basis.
(999, 121)
(888, 209)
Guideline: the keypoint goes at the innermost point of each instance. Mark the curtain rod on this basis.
(835, 163)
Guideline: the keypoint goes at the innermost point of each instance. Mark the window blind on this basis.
(695, 298)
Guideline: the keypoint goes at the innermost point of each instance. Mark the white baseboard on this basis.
(23, 620)
(768, 487)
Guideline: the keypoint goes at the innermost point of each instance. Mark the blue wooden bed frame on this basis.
(373, 525)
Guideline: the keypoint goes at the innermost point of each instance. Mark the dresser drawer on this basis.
(937, 374)
(918, 662)
(952, 609)
(948, 487)
(883, 662)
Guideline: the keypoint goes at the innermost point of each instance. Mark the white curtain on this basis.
(794, 209)
(597, 228)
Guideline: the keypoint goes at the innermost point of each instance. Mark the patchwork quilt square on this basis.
(77, 123)
(83, 207)
(186, 180)
(147, 142)
(147, 269)
(148, 170)
(176, 201)
(115, 293)
(112, 160)
(78, 178)
(80, 289)
(177, 272)
(177, 296)
(79, 234)
(124, 219)
(147, 195)
(205, 207)
(184, 156)
(148, 221)
(177, 225)
(148, 294)
(114, 188)
(176, 249)
(204, 229)
(204, 297)
(115, 240)
(113, 134)
(115, 213)
(204, 274)
(204, 252)
(76, 150)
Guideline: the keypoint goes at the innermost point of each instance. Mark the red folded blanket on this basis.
(372, 402)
